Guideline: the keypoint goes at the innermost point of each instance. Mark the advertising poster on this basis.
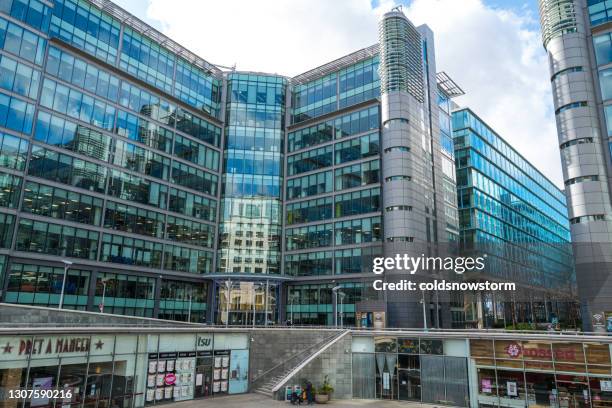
(42, 383)
(239, 371)
(512, 389)
(486, 385)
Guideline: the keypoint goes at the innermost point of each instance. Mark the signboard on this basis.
(512, 389)
(605, 385)
(205, 342)
(170, 379)
(598, 320)
(15, 348)
(378, 320)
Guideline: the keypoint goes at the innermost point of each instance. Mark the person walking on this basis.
(309, 393)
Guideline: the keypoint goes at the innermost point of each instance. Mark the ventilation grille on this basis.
(557, 17)
(401, 56)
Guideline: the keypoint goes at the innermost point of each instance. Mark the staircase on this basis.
(275, 378)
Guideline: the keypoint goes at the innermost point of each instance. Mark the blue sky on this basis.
(491, 48)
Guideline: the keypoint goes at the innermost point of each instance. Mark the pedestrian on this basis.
(309, 393)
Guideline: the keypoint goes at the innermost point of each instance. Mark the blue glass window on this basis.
(18, 77)
(143, 58)
(86, 28)
(32, 12)
(600, 11)
(605, 82)
(77, 105)
(82, 74)
(13, 151)
(16, 114)
(603, 48)
(20, 42)
(197, 88)
(60, 132)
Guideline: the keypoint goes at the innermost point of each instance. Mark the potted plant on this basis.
(324, 392)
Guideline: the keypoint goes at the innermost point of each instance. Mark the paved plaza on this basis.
(261, 401)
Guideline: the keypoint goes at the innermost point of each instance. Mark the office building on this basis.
(514, 214)
(576, 35)
(176, 189)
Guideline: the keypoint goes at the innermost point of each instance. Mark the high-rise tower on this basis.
(577, 39)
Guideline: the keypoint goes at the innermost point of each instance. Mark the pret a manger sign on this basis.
(54, 346)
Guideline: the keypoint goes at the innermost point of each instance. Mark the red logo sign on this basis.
(170, 379)
(513, 350)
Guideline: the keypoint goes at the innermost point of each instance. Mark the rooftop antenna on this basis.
(397, 8)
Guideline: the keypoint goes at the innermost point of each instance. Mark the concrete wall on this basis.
(275, 347)
(335, 362)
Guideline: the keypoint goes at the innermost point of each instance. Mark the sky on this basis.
(491, 48)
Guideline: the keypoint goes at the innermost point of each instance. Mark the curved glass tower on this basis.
(579, 50)
(250, 216)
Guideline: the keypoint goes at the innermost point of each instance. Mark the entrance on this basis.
(246, 303)
(204, 374)
(409, 378)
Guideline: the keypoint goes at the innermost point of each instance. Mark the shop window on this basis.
(511, 386)
(487, 387)
(432, 347)
(541, 389)
(385, 344)
(409, 346)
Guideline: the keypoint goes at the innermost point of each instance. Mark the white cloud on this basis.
(497, 57)
(494, 54)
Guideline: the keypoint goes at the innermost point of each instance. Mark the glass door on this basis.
(203, 379)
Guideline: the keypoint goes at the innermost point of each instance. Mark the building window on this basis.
(603, 49)
(570, 106)
(42, 285)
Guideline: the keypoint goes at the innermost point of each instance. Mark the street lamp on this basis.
(228, 286)
(66, 267)
(335, 290)
(424, 313)
(342, 294)
(189, 311)
(254, 299)
(103, 295)
(291, 300)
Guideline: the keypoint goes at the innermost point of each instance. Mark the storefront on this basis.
(410, 369)
(123, 370)
(510, 373)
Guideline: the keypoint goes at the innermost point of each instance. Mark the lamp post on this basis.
(103, 295)
(424, 313)
(291, 300)
(66, 267)
(189, 311)
(254, 299)
(335, 290)
(228, 286)
(342, 294)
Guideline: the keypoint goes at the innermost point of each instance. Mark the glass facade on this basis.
(545, 373)
(161, 176)
(425, 370)
(110, 172)
(509, 208)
